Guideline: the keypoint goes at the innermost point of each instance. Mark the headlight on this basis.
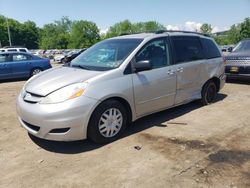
(65, 93)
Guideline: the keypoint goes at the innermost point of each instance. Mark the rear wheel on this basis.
(35, 71)
(107, 122)
(208, 93)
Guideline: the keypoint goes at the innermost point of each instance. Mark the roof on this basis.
(15, 53)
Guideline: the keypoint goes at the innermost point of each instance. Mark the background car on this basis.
(13, 49)
(72, 55)
(238, 62)
(21, 65)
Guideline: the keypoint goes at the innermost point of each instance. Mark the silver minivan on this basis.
(119, 80)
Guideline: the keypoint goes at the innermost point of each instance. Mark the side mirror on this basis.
(230, 49)
(143, 66)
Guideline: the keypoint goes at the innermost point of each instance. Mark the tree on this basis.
(148, 26)
(56, 35)
(25, 34)
(83, 34)
(126, 27)
(30, 35)
(234, 35)
(3, 32)
(245, 28)
(120, 28)
(206, 28)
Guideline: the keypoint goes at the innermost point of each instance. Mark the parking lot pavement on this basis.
(188, 146)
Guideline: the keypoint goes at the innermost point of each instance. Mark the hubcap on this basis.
(36, 71)
(110, 122)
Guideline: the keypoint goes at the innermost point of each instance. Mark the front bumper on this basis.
(66, 121)
(238, 72)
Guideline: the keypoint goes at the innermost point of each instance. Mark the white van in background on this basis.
(14, 49)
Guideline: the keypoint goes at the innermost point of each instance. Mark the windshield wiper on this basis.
(82, 67)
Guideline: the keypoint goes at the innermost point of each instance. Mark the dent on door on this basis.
(189, 81)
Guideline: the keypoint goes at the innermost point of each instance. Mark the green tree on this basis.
(206, 28)
(120, 28)
(148, 26)
(234, 35)
(245, 28)
(126, 27)
(56, 35)
(3, 31)
(25, 34)
(30, 35)
(83, 34)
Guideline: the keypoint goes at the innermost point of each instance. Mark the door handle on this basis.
(180, 69)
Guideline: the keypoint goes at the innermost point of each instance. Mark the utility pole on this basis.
(8, 27)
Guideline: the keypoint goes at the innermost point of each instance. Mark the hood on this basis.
(53, 79)
(242, 54)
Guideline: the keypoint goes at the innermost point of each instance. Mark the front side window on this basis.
(106, 55)
(4, 58)
(157, 52)
(187, 48)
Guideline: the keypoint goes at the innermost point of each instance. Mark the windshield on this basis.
(242, 46)
(106, 55)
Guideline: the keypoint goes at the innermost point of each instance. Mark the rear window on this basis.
(187, 48)
(211, 50)
(22, 50)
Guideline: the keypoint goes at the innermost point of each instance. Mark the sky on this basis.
(174, 14)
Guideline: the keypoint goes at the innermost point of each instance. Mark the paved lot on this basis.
(188, 146)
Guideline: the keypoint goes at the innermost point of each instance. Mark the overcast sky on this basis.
(175, 14)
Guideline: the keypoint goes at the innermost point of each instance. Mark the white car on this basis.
(14, 49)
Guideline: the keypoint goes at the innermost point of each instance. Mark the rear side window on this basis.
(20, 57)
(211, 50)
(187, 48)
(11, 50)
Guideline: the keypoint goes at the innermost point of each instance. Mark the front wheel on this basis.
(107, 122)
(209, 92)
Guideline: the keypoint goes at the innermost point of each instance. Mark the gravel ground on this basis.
(188, 146)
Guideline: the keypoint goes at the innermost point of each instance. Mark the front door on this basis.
(21, 65)
(154, 89)
(5, 68)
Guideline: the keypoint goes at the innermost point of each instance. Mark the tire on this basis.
(35, 71)
(209, 92)
(103, 127)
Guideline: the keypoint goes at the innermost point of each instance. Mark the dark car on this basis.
(21, 65)
(68, 58)
(238, 62)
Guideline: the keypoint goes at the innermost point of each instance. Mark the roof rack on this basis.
(165, 31)
(180, 31)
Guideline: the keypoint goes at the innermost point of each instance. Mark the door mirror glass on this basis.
(143, 65)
